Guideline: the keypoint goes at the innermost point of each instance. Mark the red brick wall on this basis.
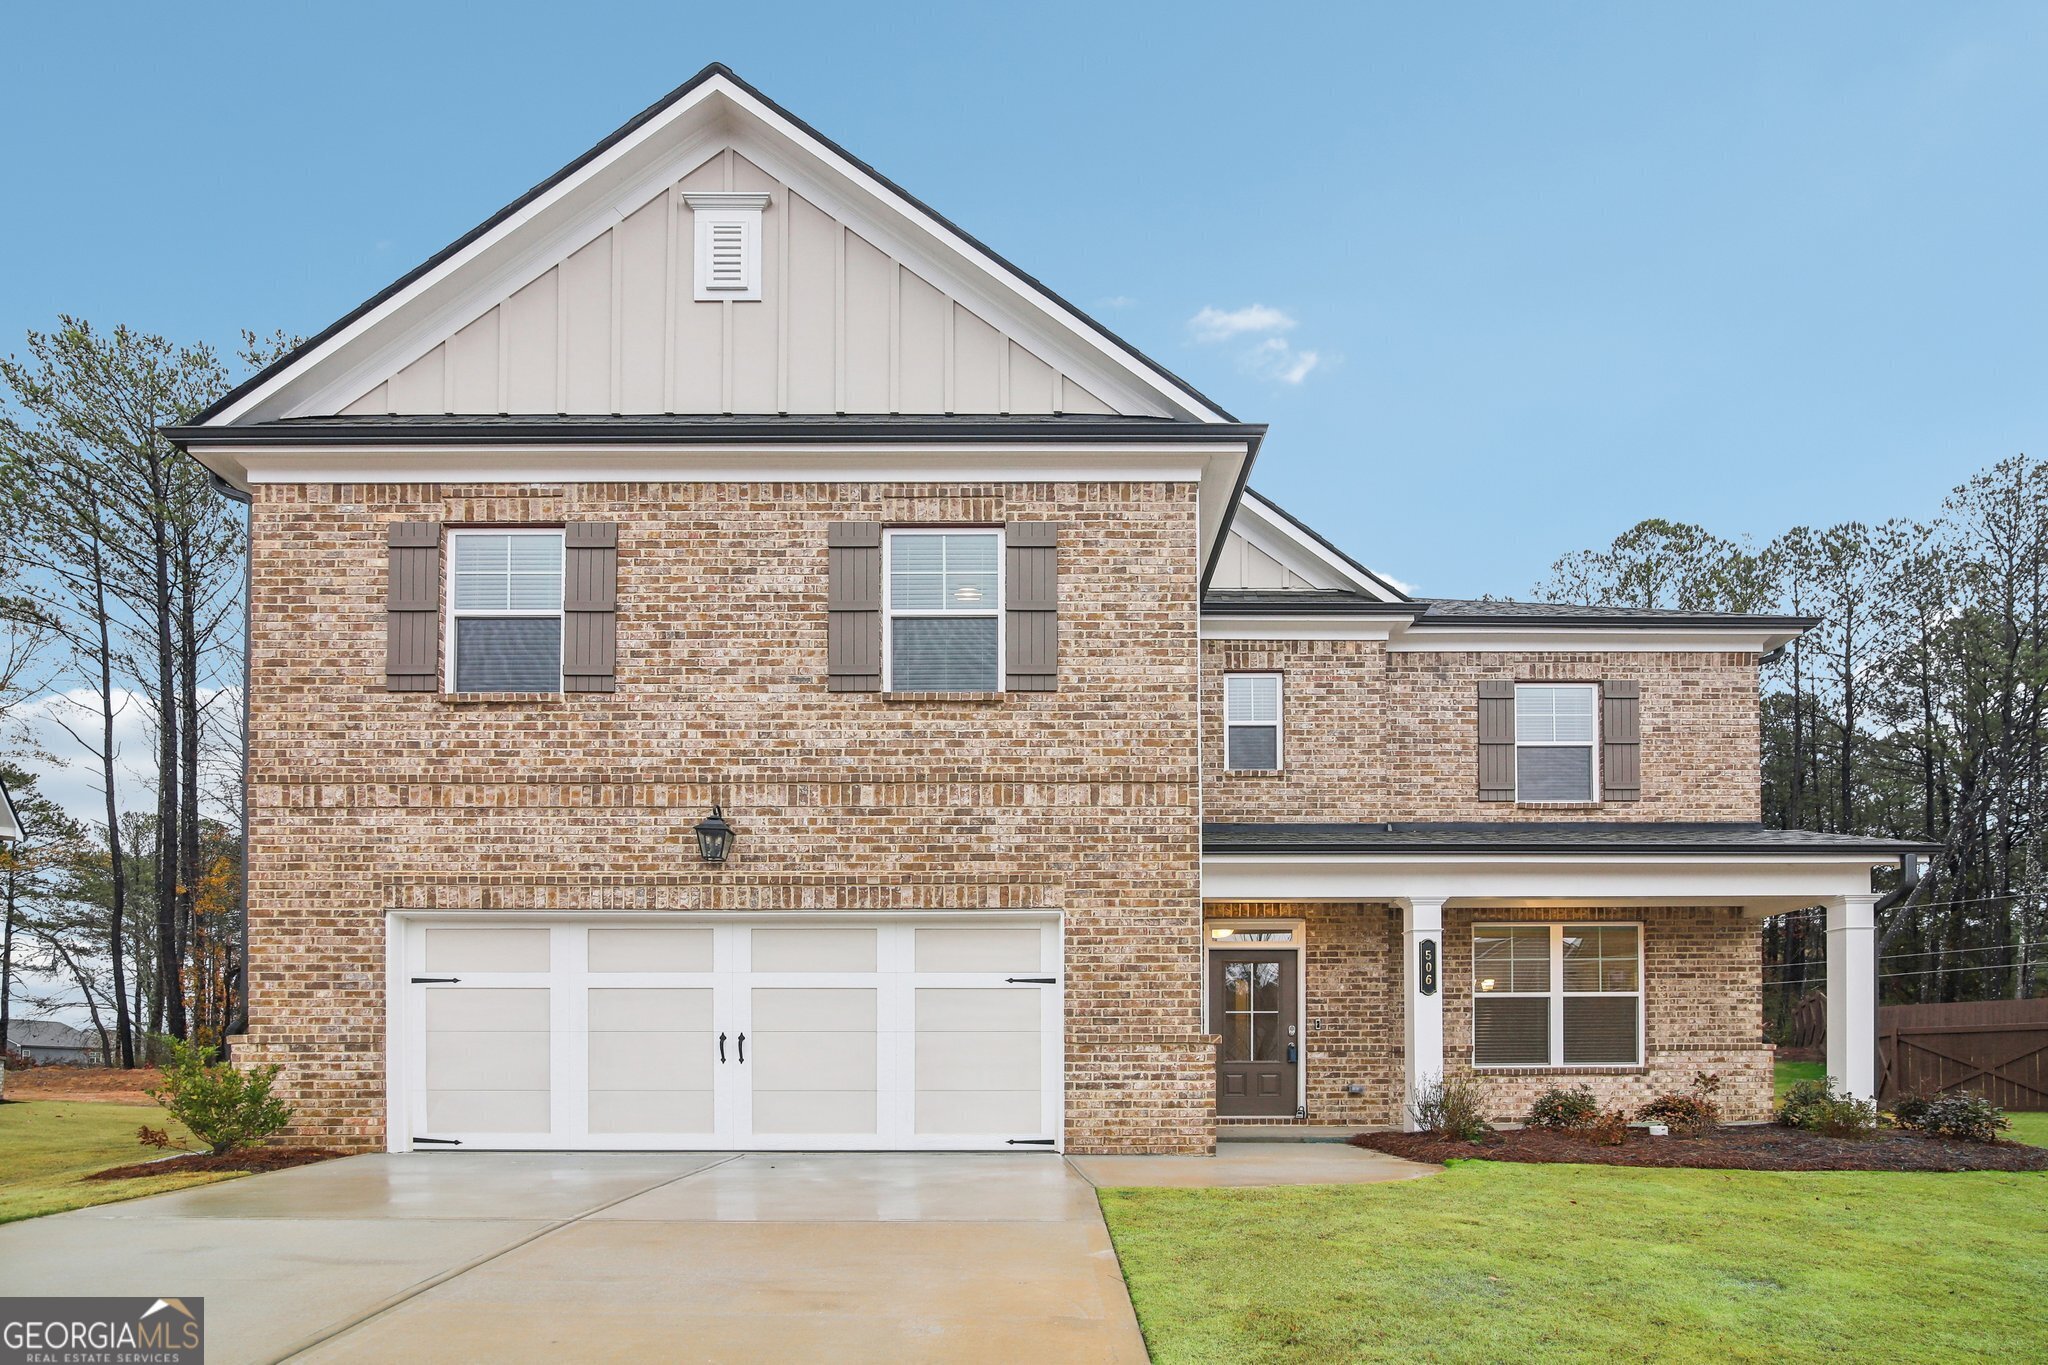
(1083, 800)
(1373, 735)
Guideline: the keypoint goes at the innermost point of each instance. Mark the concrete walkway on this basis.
(553, 1256)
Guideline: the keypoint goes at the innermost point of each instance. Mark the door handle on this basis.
(721, 1049)
(743, 1047)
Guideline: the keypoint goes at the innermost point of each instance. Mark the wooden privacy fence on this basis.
(1994, 1048)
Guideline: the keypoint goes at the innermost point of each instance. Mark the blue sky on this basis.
(1528, 272)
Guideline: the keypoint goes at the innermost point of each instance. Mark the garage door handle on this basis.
(1032, 980)
(721, 1049)
(743, 1047)
(435, 980)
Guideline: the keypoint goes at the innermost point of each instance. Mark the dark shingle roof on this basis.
(1530, 836)
(1300, 602)
(1450, 611)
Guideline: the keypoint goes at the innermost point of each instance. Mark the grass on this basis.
(1495, 1261)
(1788, 1072)
(47, 1145)
(2031, 1128)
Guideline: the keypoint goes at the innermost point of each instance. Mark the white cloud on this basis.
(1397, 584)
(1216, 324)
(1276, 360)
(1118, 302)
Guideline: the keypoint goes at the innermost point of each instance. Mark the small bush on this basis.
(1449, 1107)
(1817, 1107)
(1686, 1111)
(225, 1107)
(1908, 1109)
(1965, 1117)
(1609, 1128)
(1562, 1109)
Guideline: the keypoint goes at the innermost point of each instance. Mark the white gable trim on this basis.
(1269, 530)
(627, 174)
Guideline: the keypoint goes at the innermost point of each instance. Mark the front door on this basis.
(1252, 1005)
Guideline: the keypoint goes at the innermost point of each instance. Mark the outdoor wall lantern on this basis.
(714, 836)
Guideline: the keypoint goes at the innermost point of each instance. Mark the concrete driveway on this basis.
(553, 1256)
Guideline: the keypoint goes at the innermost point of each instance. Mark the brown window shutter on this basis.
(1621, 740)
(853, 632)
(412, 607)
(1031, 618)
(590, 585)
(1497, 741)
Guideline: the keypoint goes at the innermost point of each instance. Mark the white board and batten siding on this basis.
(840, 327)
(591, 1034)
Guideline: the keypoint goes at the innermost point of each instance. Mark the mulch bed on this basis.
(254, 1159)
(1748, 1147)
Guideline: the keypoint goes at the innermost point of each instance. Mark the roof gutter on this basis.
(238, 1022)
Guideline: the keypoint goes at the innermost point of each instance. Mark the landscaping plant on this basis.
(1562, 1109)
(1609, 1128)
(1817, 1107)
(224, 1106)
(1449, 1107)
(1966, 1117)
(1689, 1111)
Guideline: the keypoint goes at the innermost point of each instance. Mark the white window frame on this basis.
(1593, 792)
(1557, 994)
(1279, 720)
(450, 615)
(890, 611)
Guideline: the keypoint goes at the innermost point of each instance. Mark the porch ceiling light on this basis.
(714, 836)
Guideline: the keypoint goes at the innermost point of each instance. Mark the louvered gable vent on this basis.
(728, 244)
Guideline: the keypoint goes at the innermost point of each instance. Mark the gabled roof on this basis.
(593, 182)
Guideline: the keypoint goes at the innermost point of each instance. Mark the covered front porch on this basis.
(1349, 966)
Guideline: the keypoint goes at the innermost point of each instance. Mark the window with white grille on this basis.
(1557, 995)
(1557, 731)
(505, 621)
(728, 244)
(943, 611)
(1251, 722)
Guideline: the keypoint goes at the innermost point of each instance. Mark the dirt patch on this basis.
(103, 1084)
(255, 1159)
(1750, 1147)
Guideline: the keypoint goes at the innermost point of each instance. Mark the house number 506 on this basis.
(1425, 967)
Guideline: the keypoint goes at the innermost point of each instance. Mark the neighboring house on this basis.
(717, 474)
(45, 1041)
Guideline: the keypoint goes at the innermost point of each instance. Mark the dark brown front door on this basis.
(1252, 1005)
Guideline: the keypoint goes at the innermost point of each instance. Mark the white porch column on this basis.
(1422, 1032)
(1852, 994)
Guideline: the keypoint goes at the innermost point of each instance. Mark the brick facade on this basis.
(1083, 800)
(1377, 735)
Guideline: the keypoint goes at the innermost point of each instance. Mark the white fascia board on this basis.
(1300, 627)
(592, 200)
(1764, 883)
(1426, 639)
(1266, 527)
(824, 461)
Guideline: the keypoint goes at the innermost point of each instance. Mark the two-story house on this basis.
(734, 662)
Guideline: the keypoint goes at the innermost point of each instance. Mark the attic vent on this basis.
(728, 244)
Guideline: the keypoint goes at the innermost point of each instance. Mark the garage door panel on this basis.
(821, 1008)
(965, 1113)
(498, 1060)
(652, 1111)
(793, 1113)
(977, 1061)
(943, 1009)
(483, 1009)
(813, 950)
(977, 950)
(673, 1009)
(812, 1061)
(650, 950)
(489, 1111)
(488, 950)
(650, 1061)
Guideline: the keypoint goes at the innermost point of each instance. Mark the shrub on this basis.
(1449, 1107)
(1816, 1107)
(1609, 1128)
(225, 1107)
(1908, 1109)
(1686, 1111)
(1563, 1109)
(1960, 1116)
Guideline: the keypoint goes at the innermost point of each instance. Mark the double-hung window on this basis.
(943, 617)
(1556, 735)
(505, 621)
(1557, 995)
(1251, 722)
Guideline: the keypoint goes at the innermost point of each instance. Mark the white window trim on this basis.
(891, 612)
(1279, 721)
(1557, 993)
(1298, 945)
(450, 615)
(1593, 794)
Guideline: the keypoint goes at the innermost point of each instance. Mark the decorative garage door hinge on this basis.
(1030, 1142)
(1032, 980)
(441, 1142)
(435, 980)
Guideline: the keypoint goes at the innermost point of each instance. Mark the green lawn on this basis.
(1789, 1072)
(1496, 1262)
(46, 1145)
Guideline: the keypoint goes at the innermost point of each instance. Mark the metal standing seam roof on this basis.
(1530, 836)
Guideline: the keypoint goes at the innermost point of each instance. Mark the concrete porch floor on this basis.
(719, 1256)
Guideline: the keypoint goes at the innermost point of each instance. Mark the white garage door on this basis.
(877, 1035)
